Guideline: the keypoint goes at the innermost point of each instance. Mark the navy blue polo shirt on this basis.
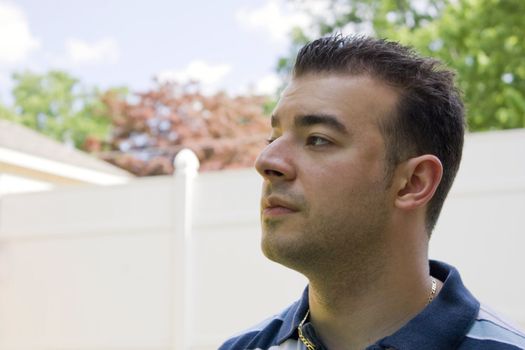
(454, 320)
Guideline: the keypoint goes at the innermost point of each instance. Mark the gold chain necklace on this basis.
(310, 346)
(433, 290)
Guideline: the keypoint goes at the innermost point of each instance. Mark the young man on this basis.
(366, 141)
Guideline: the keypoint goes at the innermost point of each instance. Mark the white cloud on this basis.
(103, 51)
(207, 74)
(278, 17)
(275, 17)
(16, 40)
(328, 11)
(267, 85)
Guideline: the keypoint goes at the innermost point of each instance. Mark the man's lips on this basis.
(275, 206)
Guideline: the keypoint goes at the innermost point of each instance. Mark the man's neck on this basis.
(355, 312)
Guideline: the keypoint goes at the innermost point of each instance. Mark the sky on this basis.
(232, 45)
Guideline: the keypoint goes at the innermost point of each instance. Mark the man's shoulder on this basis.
(492, 331)
(264, 335)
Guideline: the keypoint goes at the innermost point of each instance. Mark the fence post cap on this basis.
(185, 161)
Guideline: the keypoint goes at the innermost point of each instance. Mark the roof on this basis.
(22, 139)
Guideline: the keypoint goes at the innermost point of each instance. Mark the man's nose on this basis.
(276, 162)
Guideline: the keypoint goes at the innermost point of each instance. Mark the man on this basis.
(366, 141)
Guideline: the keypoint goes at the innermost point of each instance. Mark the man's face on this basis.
(325, 195)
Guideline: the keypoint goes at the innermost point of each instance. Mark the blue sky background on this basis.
(229, 44)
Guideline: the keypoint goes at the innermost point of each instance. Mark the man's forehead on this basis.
(347, 97)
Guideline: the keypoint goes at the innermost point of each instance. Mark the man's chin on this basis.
(272, 248)
(284, 251)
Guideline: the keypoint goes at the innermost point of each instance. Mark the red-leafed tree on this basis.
(224, 132)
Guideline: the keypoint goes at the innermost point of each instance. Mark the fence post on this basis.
(186, 170)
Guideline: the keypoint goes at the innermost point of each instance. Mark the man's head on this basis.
(356, 152)
(429, 116)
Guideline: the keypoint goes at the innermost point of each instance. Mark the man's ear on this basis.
(419, 180)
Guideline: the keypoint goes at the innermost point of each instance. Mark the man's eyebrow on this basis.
(327, 120)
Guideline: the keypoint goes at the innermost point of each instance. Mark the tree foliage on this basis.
(7, 114)
(142, 132)
(58, 105)
(481, 39)
(224, 132)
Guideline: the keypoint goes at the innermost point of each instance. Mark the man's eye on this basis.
(317, 141)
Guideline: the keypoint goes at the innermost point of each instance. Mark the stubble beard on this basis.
(345, 248)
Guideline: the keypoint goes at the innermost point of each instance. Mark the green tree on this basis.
(480, 39)
(58, 105)
(378, 16)
(483, 41)
(6, 113)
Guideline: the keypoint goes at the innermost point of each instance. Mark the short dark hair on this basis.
(430, 116)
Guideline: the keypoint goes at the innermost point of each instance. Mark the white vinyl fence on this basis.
(174, 262)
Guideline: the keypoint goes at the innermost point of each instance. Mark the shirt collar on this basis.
(444, 322)
(293, 318)
(441, 325)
